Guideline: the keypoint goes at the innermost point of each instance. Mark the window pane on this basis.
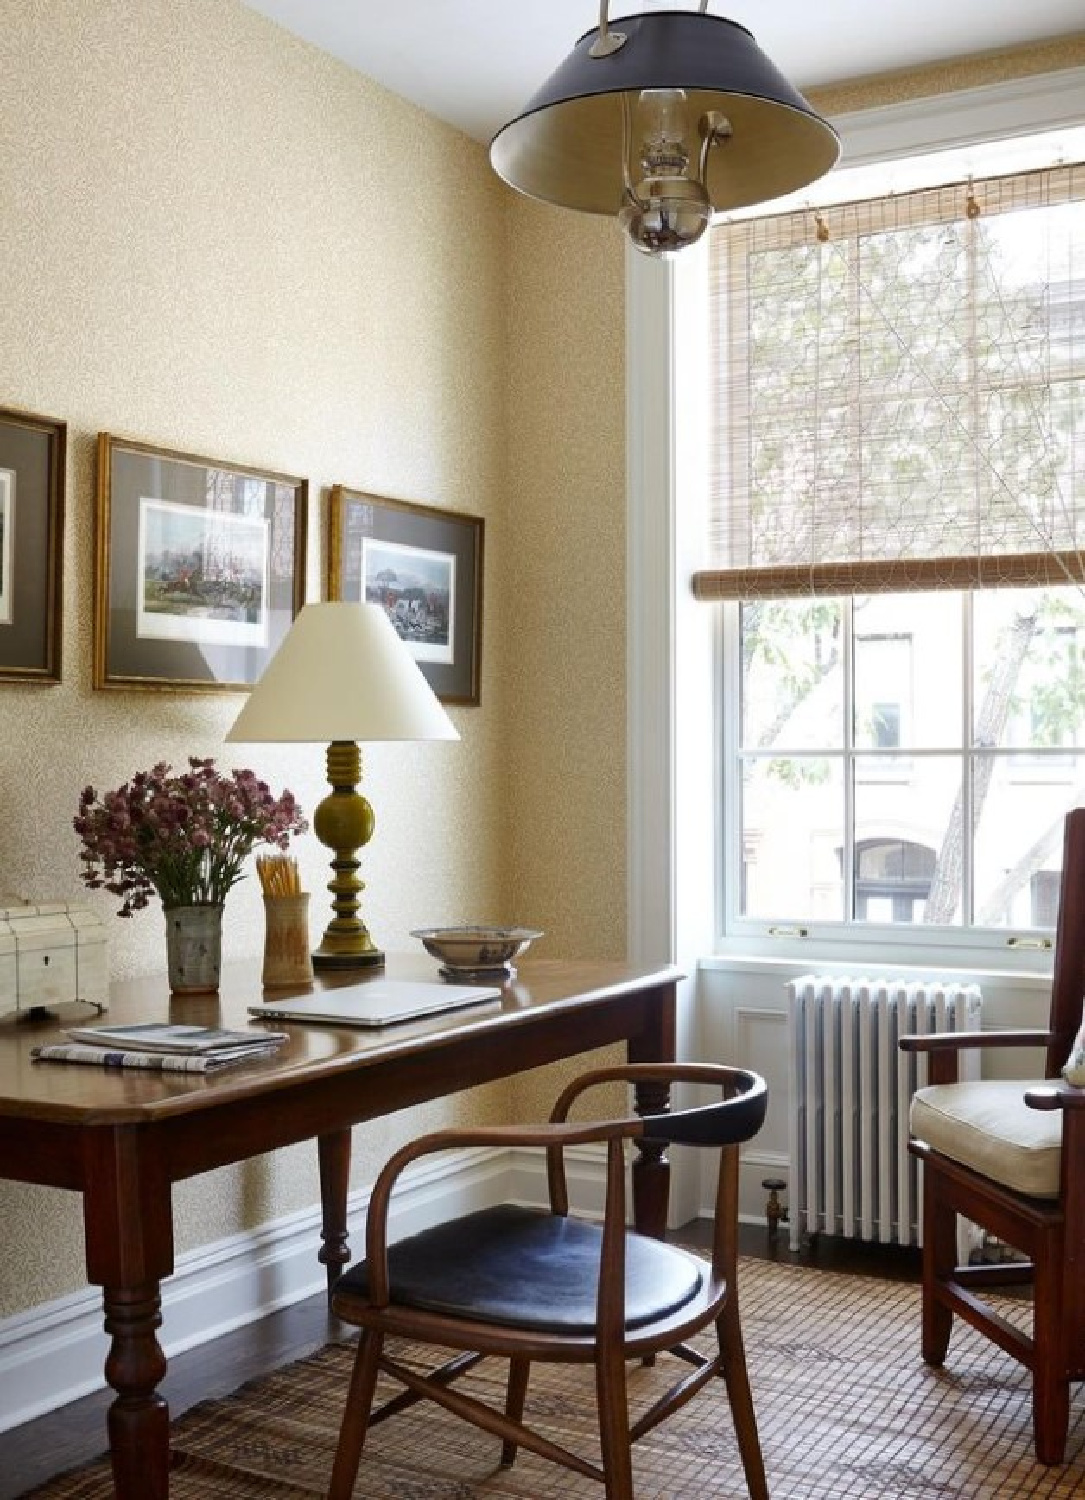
(907, 668)
(1021, 801)
(1028, 442)
(1029, 670)
(792, 675)
(792, 832)
(918, 474)
(883, 689)
(1026, 263)
(913, 305)
(908, 854)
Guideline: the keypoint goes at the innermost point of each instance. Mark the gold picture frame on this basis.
(33, 460)
(199, 568)
(424, 565)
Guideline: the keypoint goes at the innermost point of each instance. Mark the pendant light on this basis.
(674, 117)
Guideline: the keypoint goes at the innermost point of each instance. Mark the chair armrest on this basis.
(1055, 1095)
(960, 1041)
(727, 1078)
(943, 1048)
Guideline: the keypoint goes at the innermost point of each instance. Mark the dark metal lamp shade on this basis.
(675, 116)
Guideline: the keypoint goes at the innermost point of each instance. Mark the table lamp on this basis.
(341, 675)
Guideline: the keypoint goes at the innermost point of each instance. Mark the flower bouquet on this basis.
(181, 837)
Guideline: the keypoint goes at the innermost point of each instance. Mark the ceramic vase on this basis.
(194, 948)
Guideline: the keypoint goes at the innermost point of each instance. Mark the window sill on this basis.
(989, 975)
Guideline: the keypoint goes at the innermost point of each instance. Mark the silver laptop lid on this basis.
(377, 1002)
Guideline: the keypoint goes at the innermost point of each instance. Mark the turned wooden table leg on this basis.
(139, 1419)
(128, 1219)
(333, 1152)
(651, 1169)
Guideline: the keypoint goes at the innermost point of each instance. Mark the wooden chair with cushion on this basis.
(531, 1284)
(1010, 1156)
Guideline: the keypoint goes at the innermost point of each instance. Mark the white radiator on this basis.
(851, 1086)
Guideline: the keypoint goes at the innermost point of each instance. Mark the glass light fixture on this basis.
(677, 116)
(666, 208)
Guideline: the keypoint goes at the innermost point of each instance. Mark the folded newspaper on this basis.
(162, 1062)
(160, 1045)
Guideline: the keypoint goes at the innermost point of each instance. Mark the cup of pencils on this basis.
(287, 960)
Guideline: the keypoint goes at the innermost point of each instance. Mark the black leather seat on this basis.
(529, 1268)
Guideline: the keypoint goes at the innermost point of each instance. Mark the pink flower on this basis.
(183, 838)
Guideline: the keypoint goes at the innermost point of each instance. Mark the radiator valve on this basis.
(775, 1212)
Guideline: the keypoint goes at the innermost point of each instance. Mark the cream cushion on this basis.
(988, 1126)
(1074, 1067)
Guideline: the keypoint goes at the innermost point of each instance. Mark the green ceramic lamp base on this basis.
(373, 959)
(344, 822)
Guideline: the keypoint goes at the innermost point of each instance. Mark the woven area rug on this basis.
(845, 1406)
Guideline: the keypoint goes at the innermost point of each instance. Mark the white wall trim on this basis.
(1017, 985)
(670, 663)
(939, 122)
(53, 1354)
(649, 608)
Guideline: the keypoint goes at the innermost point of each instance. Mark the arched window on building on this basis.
(892, 880)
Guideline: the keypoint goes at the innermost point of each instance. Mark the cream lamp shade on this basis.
(341, 675)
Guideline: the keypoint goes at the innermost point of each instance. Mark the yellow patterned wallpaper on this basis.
(216, 239)
(564, 827)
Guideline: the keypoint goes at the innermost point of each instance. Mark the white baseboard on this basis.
(55, 1353)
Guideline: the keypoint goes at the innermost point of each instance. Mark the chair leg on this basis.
(519, 1370)
(614, 1423)
(736, 1376)
(939, 1260)
(1050, 1382)
(363, 1384)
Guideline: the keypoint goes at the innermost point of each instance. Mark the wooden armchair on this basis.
(1010, 1155)
(531, 1284)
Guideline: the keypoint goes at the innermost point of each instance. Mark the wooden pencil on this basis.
(278, 875)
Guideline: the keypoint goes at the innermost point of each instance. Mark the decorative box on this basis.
(50, 955)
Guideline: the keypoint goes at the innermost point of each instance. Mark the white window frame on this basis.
(747, 932)
(675, 878)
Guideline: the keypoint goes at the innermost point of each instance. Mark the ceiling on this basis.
(475, 63)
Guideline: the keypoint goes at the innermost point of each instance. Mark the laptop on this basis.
(379, 1002)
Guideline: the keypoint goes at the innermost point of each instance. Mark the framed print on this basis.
(199, 568)
(424, 567)
(7, 520)
(32, 467)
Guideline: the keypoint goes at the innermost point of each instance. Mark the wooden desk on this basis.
(123, 1139)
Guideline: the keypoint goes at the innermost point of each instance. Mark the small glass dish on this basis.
(476, 951)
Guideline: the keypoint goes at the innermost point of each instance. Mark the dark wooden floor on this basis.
(39, 1450)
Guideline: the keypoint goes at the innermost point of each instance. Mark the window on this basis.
(1051, 682)
(892, 880)
(884, 692)
(898, 478)
(937, 811)
(885, 725)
